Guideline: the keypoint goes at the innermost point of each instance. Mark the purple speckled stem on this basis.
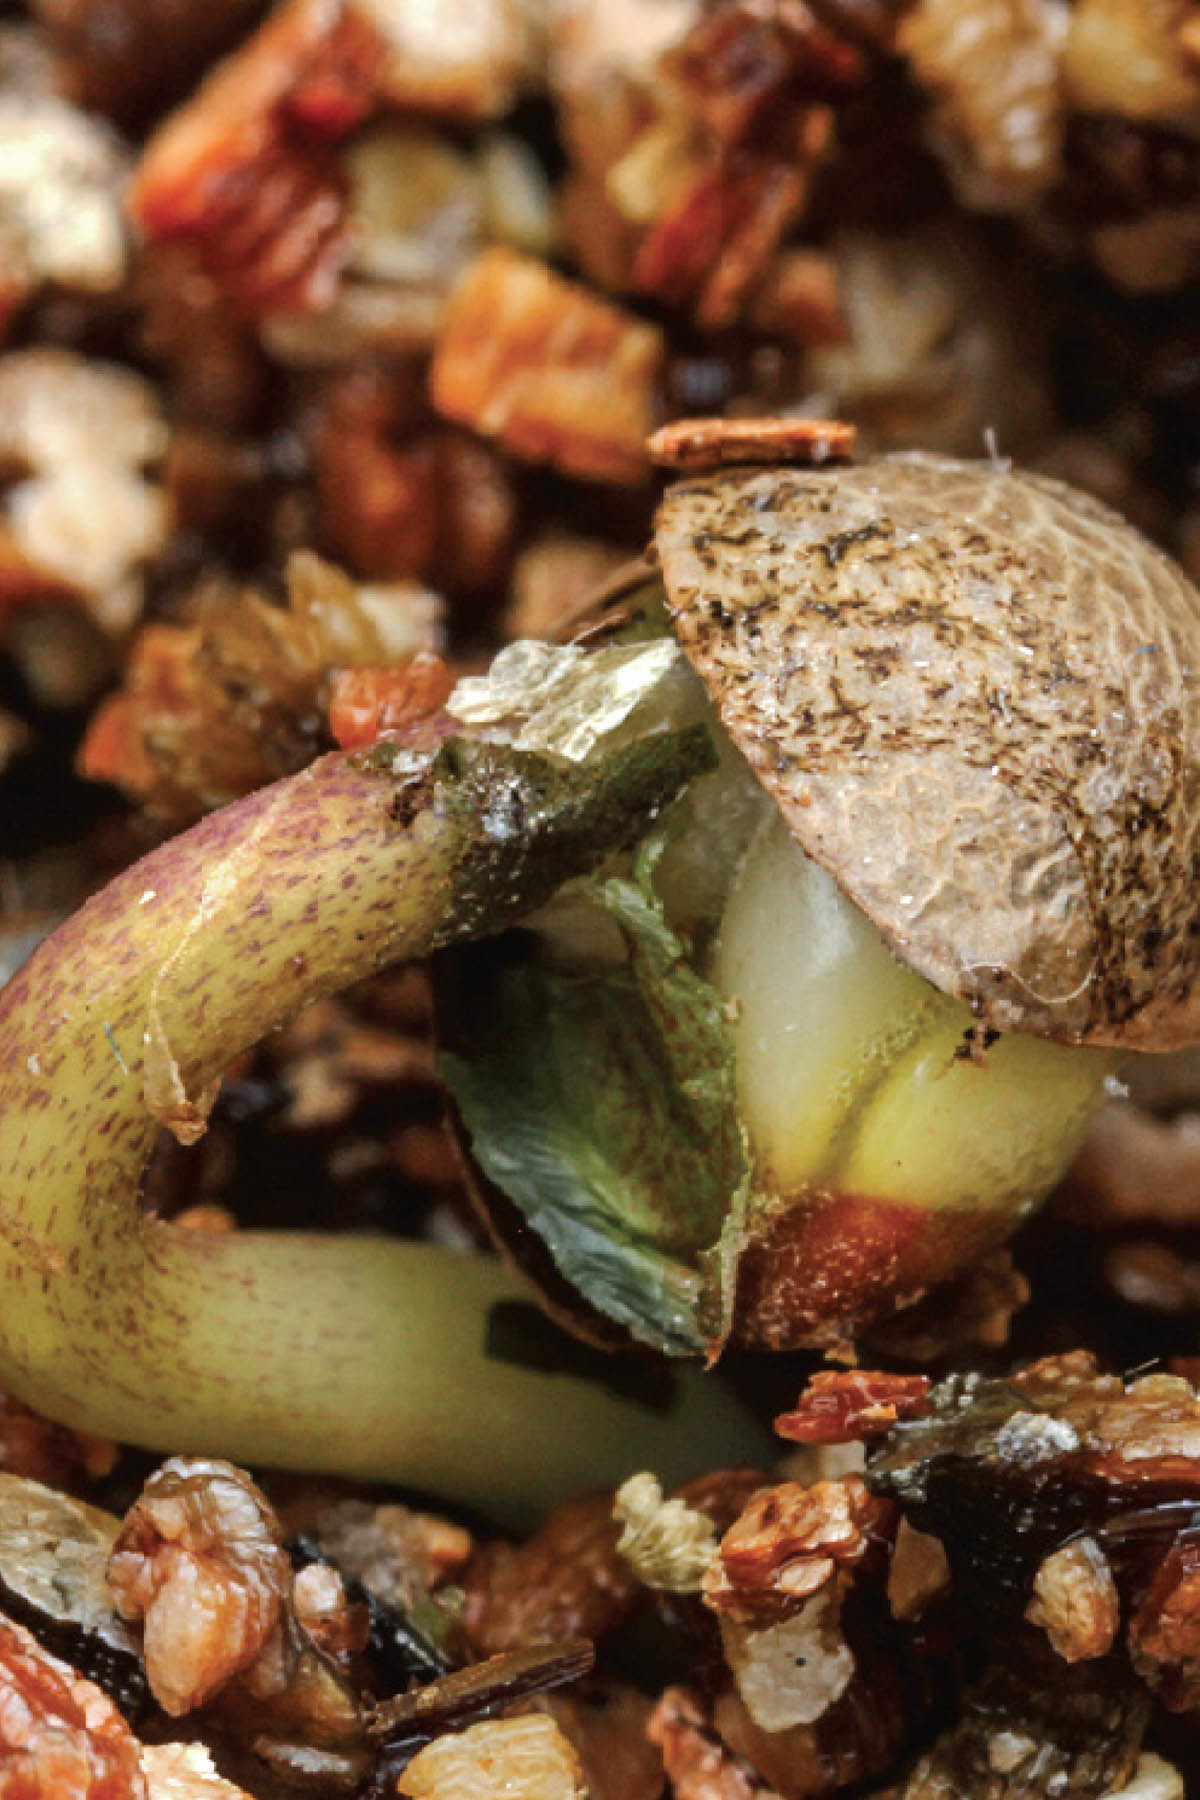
(360, 1355)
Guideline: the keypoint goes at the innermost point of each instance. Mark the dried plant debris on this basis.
(59, 1734)
(839, 1405)
(553, 372)
(477, 1692)
(1067, 1495)
(247, 690)
(667, 1543)
(82, 514)
(709, 443)
(61, 175)
(527, 1755)
(185, 1772)
(54, 1555)
(788, 1543)
(568, 1580)
(1033, 1733)
(201, 1562)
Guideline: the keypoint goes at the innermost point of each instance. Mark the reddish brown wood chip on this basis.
(710, 443)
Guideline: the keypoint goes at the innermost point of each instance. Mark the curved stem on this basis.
(364, 1356)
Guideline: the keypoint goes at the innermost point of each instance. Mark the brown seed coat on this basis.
(975, 696)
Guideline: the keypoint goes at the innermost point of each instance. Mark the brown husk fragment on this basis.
(59, 1735)
(549, 369)
(840, 1405)
(982, 717)
(567, 1580)
(713, 443)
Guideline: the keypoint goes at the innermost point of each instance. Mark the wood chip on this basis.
(711, 443)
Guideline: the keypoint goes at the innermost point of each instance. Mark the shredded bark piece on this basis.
(840, 1405)
(711, 443)
(791, 1541)
(717, 241)
(1075, 1601)
(478, 1691)
(527, 1756)
(555, 373)
(699, 1765)
(59, 1735)
(200, 1559)
(568, 1580)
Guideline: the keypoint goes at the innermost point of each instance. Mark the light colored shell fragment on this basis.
(975, 697)
(667, 1543)
(791, 1673)
(185, 1772)
(499, 1760)
(1075, 1600)
(1153, 1779)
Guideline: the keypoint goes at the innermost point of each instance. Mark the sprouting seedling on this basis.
(373, 1357)
(776, 1044)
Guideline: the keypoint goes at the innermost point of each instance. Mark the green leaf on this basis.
(599, 1094)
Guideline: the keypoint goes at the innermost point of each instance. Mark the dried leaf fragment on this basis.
(553, 372)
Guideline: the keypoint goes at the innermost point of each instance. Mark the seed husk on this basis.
(974, 695)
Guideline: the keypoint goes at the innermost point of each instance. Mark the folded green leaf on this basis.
(600, 1097)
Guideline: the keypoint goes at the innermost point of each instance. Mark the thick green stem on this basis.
(359, 1355)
